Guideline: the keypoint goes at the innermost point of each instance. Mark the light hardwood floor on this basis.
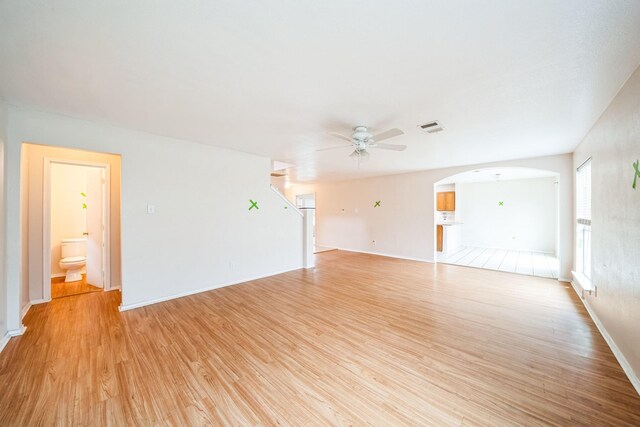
(61, 289)
(358, 340)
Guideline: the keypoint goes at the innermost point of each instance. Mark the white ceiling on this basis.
(497, 174)
(508, 79)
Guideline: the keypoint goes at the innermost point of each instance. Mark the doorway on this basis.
(40, 249)
(75, 227)
(503, 218)
(308, 201)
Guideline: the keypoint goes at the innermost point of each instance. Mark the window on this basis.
(583, 223)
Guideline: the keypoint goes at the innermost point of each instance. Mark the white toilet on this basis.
(74, 258)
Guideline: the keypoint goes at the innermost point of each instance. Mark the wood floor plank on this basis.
(60, 288)
(360, 339)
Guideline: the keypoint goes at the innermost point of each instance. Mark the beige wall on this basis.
(279, 183)
(32, 240)
(526, 220)
(202, 235)
(68, 217)
(614, 144)
(3, 278)
(404, 224)
(24, 229)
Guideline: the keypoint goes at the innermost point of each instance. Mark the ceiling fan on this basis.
(361, 141)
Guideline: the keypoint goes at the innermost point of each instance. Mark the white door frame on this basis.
(46, 222)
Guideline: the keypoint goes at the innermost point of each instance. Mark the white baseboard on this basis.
(386, 255)
(30, 304)
(17, 332)
(10, 334)
(116, 288)
(626, 367)
(4, 341)
(197, 291)
(25, 310)
(55, 276)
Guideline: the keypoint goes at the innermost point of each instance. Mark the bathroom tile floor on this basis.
(61, 289)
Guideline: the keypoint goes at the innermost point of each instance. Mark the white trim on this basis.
(197, 291)
(39, 301)
(564, 279)
(387, 255)
(115, 288)
(46, 221)
(17, 332)
(4, 341)
(10, 334)
(626, 367)
(25, 310)
(53, 276)
(583, 281)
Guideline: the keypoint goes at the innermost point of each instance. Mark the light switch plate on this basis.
(151, 209)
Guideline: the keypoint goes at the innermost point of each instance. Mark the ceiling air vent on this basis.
(432, 127)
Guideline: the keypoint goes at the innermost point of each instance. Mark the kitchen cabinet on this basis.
(446, 201)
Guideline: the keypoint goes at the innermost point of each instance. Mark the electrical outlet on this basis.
(151, 209)
(374, 243)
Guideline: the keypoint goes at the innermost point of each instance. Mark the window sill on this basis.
(583, 282)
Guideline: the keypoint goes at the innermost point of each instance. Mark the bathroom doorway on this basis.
(75, 242)
(41, 247)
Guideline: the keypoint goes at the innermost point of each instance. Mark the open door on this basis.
(95, 226)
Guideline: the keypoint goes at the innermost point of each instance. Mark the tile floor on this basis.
(512, 261)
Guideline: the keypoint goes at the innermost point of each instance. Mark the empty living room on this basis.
(230, 213)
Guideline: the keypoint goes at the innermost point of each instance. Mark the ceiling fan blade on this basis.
(387, 134)
(337, 135)
(335, 148)
(389, 147)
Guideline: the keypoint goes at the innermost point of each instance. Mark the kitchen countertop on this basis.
(450, 223)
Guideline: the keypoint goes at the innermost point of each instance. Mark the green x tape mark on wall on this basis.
(253, 205)
(500, 203)
(377, 205)
(636, 165)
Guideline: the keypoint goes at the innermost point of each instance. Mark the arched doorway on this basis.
(499, 218)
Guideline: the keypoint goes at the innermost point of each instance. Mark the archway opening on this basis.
(499, 218)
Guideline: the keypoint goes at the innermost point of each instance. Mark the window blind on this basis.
(583, 193)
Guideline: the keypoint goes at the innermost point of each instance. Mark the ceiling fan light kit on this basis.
(361, 155)
(361, 141)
